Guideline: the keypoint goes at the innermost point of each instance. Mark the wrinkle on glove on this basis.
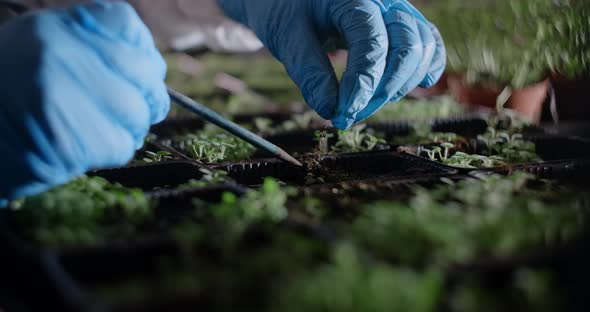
(79, 91)
(392, 50)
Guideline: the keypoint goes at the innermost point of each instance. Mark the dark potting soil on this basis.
(329, 168)
(152, 176)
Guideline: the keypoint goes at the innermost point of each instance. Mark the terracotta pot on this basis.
(472, 95)
(529, 100)
(440, 88)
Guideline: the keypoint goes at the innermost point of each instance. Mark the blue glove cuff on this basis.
(3, 203)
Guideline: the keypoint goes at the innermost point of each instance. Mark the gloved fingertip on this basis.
(342, 122)
(375, 104)
(139, 144)
(428, 82)
(115, 20)
(162, 110)
(159, 104)
(398, 96)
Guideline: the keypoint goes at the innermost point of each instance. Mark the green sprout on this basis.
(267, 204)
(323, 139)
(349, 282)
(211, 145)
(86, 211)
(159, 156)
(357, 139)
(511, 147)
(210, 177)
(443, 154)
(471, 219)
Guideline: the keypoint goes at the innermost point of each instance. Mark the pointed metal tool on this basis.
(230, 126)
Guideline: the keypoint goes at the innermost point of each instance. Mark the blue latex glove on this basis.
(79, 89)
(392, 50)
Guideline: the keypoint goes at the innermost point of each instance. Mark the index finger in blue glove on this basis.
(428, 52)
(439, 61)
(311, 71)
(404, 55)
(361, 23)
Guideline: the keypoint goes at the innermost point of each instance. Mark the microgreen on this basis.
(211, 145)
(210, 177)
(357, 139)
(459, 222)
(85, 211)
(323, 139)
(157, 156)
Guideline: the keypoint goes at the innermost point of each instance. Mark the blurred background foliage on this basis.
(490, 43)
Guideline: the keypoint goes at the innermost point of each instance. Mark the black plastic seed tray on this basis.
(346, 199)
(169, 206)
(153, 175)
(567, 262)
(574, 170)
(176, 204)
(69, 269)
(334, 168)
(384, 188)
(38, 272)
(304, 140)
(466, 126)
(559, 147)
(561, 157)
(81, 275)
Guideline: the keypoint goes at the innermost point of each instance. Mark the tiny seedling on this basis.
(357, 139)
(212, 145)
(265, 204)
(88, 210)
(323, 138)
(443, 154)
(262, 125)
(511, 147)
(160, 156)
(210, 177)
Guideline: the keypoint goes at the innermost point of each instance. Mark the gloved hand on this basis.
(392, 50)
(79, 90)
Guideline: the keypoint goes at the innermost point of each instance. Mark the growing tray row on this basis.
(561, 157)
(113, 277)
(554, 149)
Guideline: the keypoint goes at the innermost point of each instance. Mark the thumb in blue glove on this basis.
(79, 91)
(392, 50)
